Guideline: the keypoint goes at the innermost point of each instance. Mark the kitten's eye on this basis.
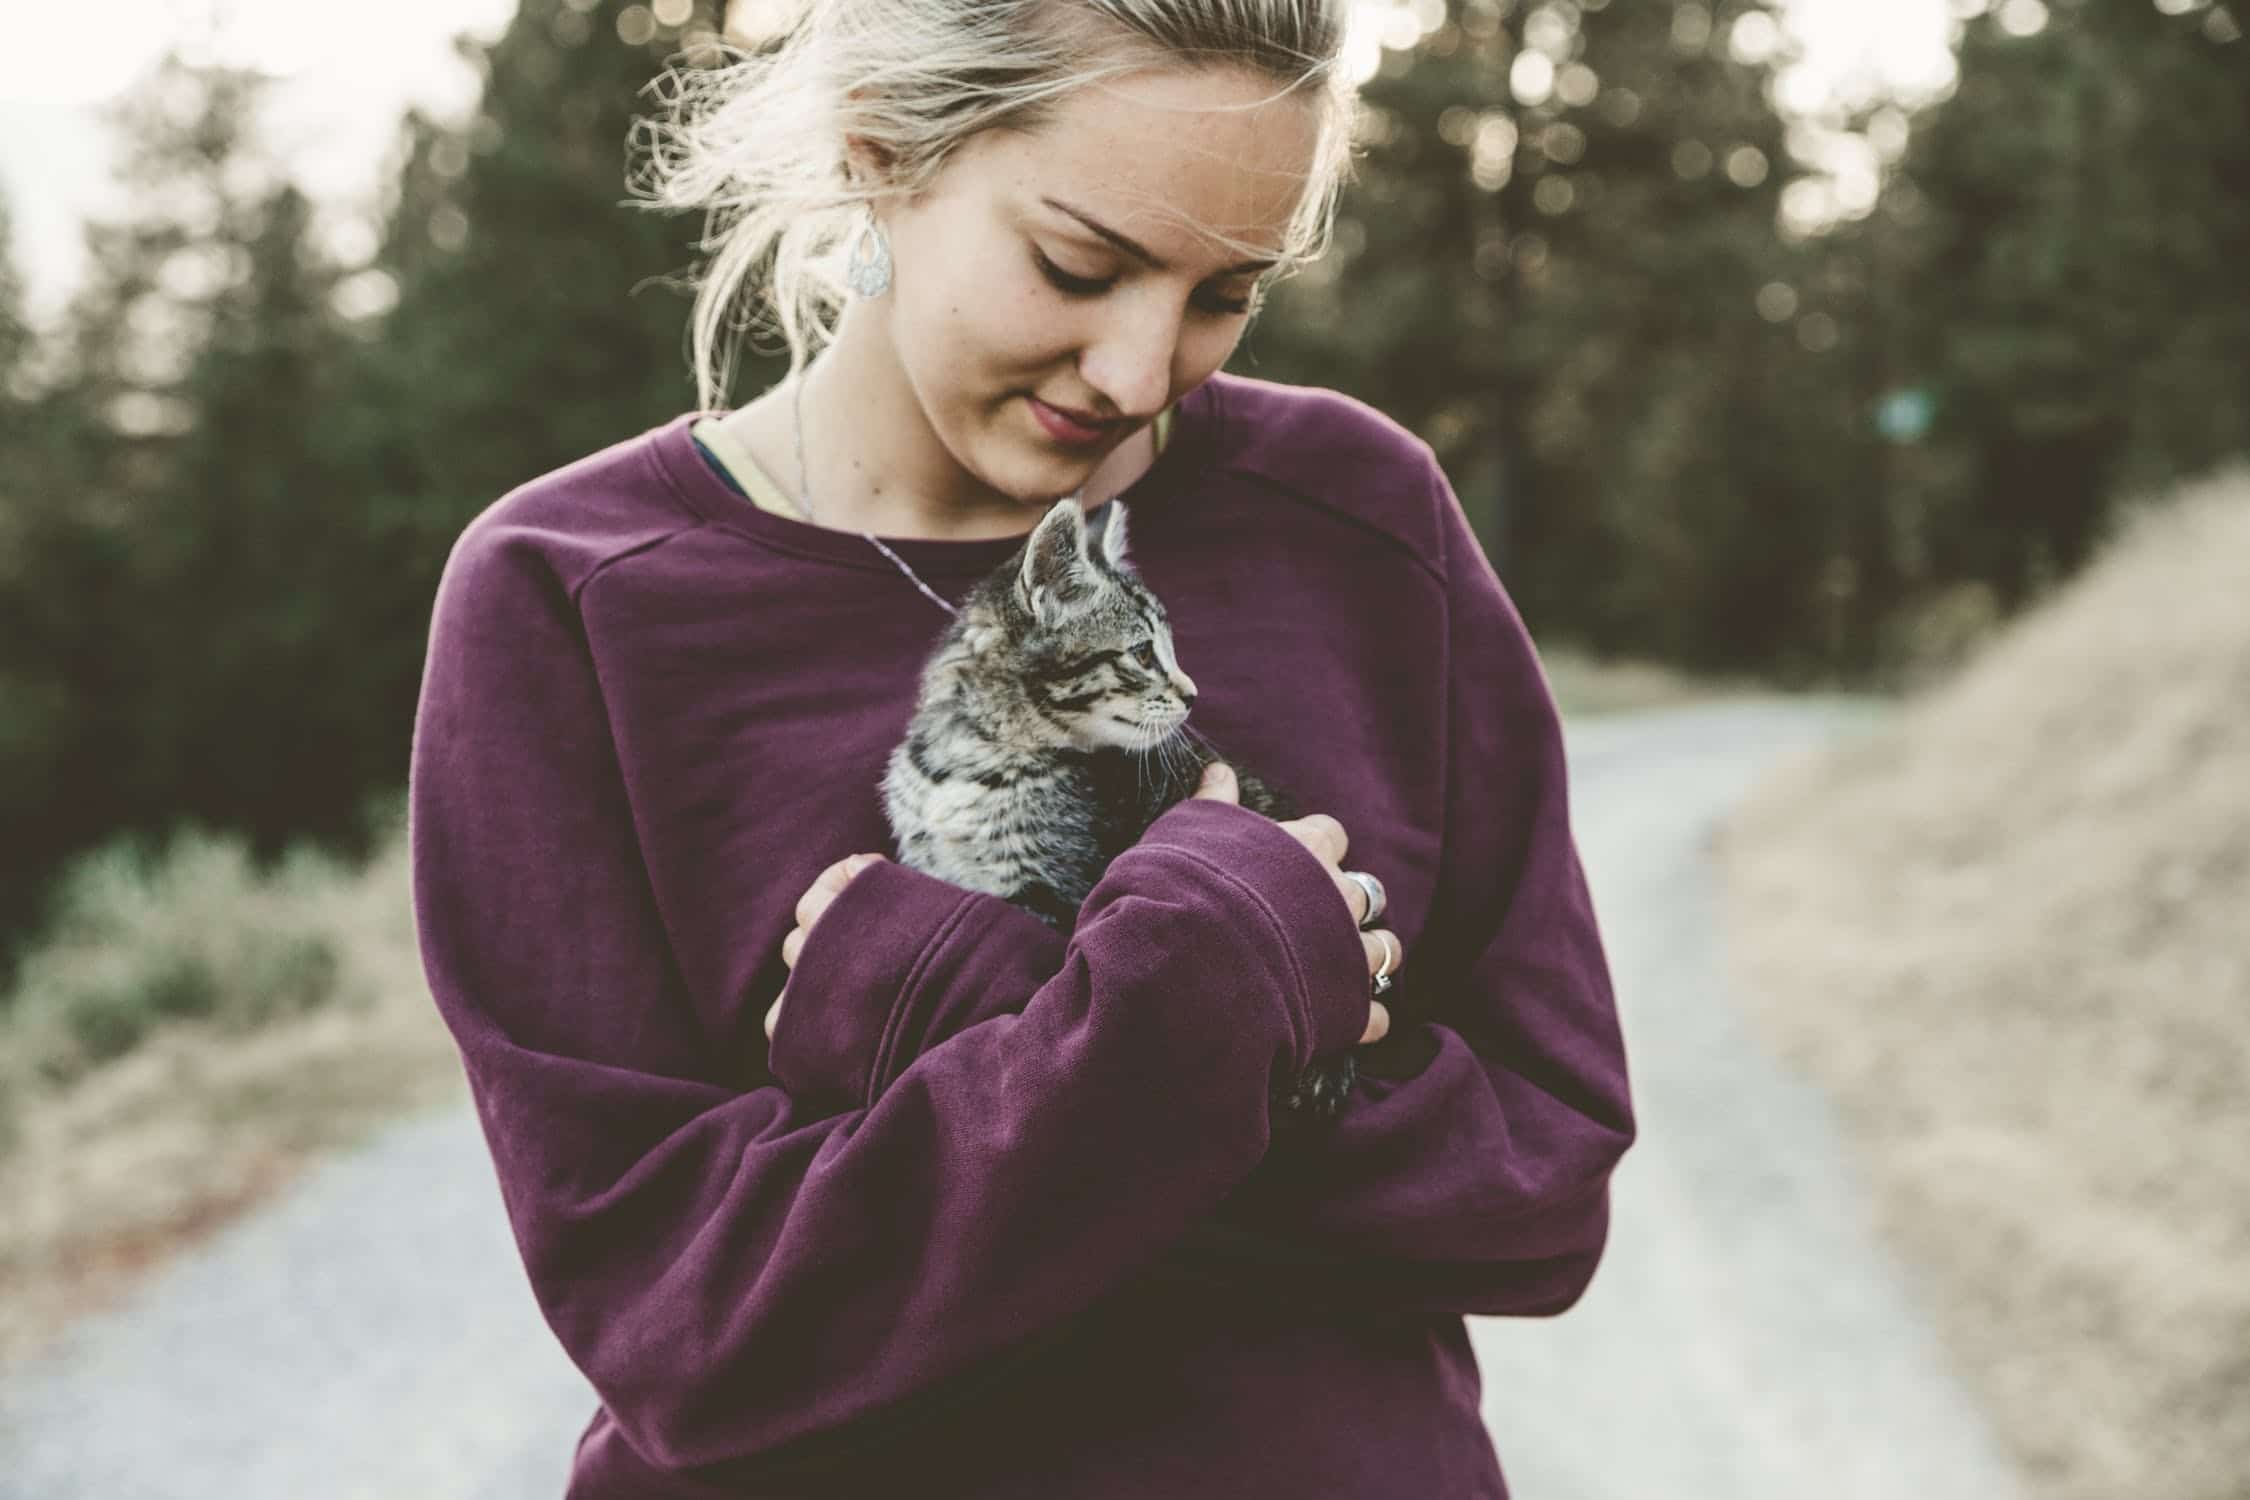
(1145, 654)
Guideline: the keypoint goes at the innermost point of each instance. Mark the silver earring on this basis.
(869, 271)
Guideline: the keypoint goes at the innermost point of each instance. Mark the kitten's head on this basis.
(1076, 644)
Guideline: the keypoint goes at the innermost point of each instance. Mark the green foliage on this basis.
(2076, 220)
(1563, 296)
(191, 931)
(229, 507)
(16, 345)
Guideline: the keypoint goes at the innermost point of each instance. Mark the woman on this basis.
(992, 1212)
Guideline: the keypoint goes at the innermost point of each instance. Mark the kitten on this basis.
(1050, 731)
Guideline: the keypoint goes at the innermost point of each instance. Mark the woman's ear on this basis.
(866, 164)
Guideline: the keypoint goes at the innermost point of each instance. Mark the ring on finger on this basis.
(1376, 900)
(1390, 962)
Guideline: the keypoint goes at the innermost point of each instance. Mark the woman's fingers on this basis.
(826, 886)
(815, 901)
(1384, 951)
(1378, 954)
(1219, 785)
(1354, 894)
(1384, 955)
(1321, 834)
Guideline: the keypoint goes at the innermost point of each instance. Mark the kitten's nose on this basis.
(1184, 685)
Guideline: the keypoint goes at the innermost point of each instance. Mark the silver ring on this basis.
(1376, 900)
(1390, 962)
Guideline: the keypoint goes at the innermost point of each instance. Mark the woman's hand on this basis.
(826, 887)
(1325, 837)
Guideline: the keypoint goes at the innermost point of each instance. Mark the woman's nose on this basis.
(1130, 362)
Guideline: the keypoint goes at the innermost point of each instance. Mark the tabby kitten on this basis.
(1050, 731)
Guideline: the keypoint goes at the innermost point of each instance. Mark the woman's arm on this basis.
(1469, 1169)
(746, 1282)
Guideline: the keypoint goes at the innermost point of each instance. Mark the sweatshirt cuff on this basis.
(989, 960)
(1310, 918)
(897, 962)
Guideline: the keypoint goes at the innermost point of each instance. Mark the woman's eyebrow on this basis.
(1139, 251)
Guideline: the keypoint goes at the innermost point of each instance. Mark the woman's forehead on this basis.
(1171, 158)
(1148, 256)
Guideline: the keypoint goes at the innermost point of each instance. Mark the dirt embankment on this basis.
(2010, 933)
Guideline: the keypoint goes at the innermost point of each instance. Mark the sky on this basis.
(351, 70)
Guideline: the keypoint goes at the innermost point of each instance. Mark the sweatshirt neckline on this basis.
(673, 447)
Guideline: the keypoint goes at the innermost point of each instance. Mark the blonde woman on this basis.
(995, 1212)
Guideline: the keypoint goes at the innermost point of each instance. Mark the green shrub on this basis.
(192, 932)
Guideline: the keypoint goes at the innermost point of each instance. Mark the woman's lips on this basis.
(1072, 431)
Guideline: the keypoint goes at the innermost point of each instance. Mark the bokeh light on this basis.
(2023, 17)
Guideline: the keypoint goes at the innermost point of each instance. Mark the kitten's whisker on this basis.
(1178, 761)
(1189, 766)
(1143, 736)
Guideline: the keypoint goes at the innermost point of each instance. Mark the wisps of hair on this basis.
(756, 141)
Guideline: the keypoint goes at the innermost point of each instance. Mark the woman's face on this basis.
(1073, 273)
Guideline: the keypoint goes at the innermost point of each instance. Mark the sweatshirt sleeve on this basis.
(747, 1282)
(897, 963)
(1469, 1168)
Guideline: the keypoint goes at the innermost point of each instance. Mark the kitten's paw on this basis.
(1318, 1092)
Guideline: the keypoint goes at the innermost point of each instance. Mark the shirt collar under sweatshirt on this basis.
(1000, 1214)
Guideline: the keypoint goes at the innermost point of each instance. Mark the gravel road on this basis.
(370, 1335)
(1744, 1338)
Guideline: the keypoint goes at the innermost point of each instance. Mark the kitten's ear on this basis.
(1113, 533)
(1054, 560)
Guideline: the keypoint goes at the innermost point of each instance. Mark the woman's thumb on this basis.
(1218, 783)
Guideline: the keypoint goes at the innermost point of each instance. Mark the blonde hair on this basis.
(757, 142)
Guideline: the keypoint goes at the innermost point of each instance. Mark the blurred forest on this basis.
(1691, 425)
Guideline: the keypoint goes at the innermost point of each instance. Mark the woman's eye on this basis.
(1094, 286)
(1076, 286)
(1145, 654)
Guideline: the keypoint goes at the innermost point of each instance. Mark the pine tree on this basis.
(16, 334)
(259, 696)
(2077, 291)
(538, 315)
(1551, 268)
(87, 590)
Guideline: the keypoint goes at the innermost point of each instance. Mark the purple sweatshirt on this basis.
(1002, 1214)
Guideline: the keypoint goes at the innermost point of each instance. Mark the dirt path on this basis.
(1744, 1337)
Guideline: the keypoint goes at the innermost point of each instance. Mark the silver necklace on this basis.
(804, 502)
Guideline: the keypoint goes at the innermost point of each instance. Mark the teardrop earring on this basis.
(869, 271)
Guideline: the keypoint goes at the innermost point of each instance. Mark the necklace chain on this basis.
(804, 503)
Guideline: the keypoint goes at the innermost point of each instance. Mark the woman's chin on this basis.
(1037, 481)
